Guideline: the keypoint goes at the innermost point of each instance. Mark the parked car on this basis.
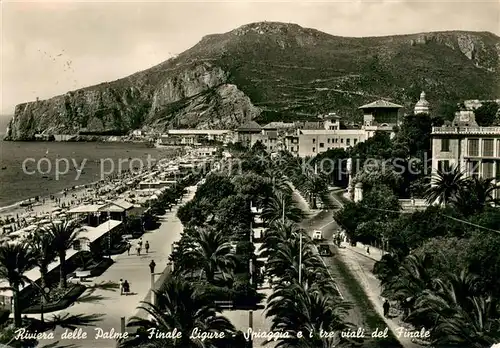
(317, 235)
(324, 250)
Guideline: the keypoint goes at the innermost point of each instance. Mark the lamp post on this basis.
(300, 258)
(45, 292)
(250, 312)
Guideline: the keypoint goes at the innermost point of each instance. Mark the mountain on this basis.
(275, 71)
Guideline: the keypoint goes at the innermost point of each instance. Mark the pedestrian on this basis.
(121, 286)
(138, 250)
(368, 250)
(140, 242)
(146, 246)
(386, 306)
(126, 287)
(152, 266)
(129, 246)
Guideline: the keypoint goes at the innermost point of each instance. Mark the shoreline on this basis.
(11, 208)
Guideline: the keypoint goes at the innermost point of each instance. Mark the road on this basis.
(352, 263)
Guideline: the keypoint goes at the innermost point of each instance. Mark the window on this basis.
(488, 147)
(473, 146)
(444, 166)
(348, 141)
(445, 145)
(314, 140)
(328, 140)
(488, 169)
(474, 168)
(341, 140)
(321, 144)
(355, 141)
(314, 149)
(291, 148)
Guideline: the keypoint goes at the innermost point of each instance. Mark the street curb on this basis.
(365, 255)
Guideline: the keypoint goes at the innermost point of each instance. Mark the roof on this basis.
(278, 125)
(381, 104)
(89, 233)
(332, 132)
(87, 208)
(250, 126)
(94, 233)
(121, 204)
(117, 206)
(198, 131)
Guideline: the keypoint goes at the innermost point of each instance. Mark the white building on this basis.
(380, 115)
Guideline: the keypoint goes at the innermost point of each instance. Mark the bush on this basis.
(69, 298)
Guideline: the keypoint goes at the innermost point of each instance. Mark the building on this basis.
(380, 115)
(313, 142)
(244, 133)
(195, 136)
(473, 149)
(422, 106)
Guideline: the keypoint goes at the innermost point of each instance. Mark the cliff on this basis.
(274, 71)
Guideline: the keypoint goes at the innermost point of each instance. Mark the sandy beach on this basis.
(66, 199)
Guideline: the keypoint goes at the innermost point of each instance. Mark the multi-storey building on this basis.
(463, 144)
(311, 138)
(195, 136)
(380, 115)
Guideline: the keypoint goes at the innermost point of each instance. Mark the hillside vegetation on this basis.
(275, 71)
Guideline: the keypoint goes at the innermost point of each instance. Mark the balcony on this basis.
(467, 130)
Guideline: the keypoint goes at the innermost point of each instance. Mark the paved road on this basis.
(360, 265)
(133, 268)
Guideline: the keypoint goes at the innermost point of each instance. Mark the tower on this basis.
(422, 106)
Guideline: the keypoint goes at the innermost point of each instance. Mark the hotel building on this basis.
(475, 150)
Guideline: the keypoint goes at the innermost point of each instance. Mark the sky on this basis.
(49, 48)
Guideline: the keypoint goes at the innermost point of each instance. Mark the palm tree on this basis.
(444, 297)
(63, 236)
(284, 263)
(446, 186)
(41, 245)
(279, 231)
(15, 260)
(179, 307)
(211, 252)
(300, 307)
(277, 182)
(411, 282)
(315, 186)
(279, 206)
(478, 327)
(476, 195)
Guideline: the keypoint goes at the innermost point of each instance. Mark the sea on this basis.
(30, 169)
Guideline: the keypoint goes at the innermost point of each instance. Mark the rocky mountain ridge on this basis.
(273, 71)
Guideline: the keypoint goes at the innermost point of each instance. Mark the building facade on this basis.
(195, 136)
(474, 150)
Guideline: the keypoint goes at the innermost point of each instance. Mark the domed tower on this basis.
(422, 106)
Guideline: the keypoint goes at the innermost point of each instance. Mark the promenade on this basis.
(132, 268)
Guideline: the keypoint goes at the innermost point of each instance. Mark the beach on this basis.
(51, 167)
